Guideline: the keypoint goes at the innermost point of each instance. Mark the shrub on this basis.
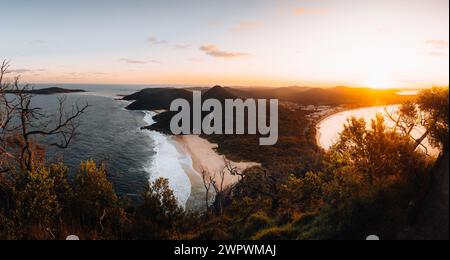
(257, 221)
(274, 233)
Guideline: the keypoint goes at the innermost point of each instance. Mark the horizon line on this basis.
(234, 86)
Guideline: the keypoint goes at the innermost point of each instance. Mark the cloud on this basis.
(303, 10)
(137, 62)
(154, 40)
(182, 46)
(20, 71)
(82, 75)
(131, 61)
(438, 43)
(77, 74)
(246, 25)
(26, 71)
(437, 48)
(97, 73)
(214, 51)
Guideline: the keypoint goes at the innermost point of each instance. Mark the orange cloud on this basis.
(132, 61)
(214, 51)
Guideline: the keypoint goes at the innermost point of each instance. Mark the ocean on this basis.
(111, 134)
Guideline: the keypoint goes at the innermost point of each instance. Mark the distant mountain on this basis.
(161, 98)
(156, 98)
(285, 93)
(346, 95)
(325, 96)
(220, 93)
(49, 91)
(163, 120)
(202, 89)
(265, 92)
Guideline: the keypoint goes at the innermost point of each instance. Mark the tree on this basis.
(379, 153)
(159, 216)
(95, 201)
(435, 103)
(207, 183)
(33, 196)
(21, 123)
(368, 179)
(373, 169)
(37, 203)
(429, 112)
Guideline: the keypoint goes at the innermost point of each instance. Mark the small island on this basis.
(48, 91)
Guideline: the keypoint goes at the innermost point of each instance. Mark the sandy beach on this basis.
(318, 128)
(205, 157)
(325, 117)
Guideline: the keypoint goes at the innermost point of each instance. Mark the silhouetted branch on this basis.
(20, 121)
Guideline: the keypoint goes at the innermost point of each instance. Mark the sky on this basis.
(318, 43)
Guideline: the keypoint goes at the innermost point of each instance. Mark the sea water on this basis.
(111, 134)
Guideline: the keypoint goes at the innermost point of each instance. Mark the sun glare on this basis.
(380, 80)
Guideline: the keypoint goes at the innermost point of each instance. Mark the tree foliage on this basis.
(435, 103)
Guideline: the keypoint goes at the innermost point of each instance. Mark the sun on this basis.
(378, 83)
(380, 80)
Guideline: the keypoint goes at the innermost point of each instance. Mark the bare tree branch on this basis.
(21, 122)
(408, 119)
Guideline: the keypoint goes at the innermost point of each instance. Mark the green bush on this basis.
(274, 233)
(257, 221)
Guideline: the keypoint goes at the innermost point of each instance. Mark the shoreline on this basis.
(322, 119)
(168, 162)
(334, 113)
(430, 150)
(205, 158)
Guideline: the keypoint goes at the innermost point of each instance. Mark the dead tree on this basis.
(219, 189)
(207, 183)
(21, 124)
(216, 181)
(232, 169)
(210, 182)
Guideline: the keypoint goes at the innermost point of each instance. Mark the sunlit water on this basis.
(330, 128)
